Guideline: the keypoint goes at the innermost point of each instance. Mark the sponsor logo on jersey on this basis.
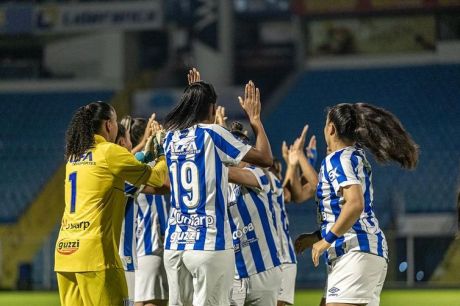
(192, 220)
(68, 246)
(183, 146)
(84, 159)
(332, 174)
(243, 231)
(185, 237)
(78, 226)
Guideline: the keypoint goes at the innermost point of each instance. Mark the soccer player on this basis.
(151, 284)
(198, 245)
(356, 247)
(127, 249)
(89, 270)
(288, 258)
(255, 239)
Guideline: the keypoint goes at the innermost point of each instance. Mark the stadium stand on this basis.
(32, 143)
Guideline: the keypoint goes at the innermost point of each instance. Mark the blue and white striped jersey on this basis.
(282, 221)
(345, 167)
(255, 239)
(127, 250)
(151, 223)
(197, 158)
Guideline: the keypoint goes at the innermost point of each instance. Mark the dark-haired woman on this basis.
(199, 257)
(356, 248)
(89, 270)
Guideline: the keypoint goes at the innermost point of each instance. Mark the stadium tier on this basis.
(32, 143)
(424, 96)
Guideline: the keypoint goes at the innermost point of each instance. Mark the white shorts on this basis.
(130, 275)
(356, 278)
(151, 280)
(288, 276)
(199, 278)
(260, 289)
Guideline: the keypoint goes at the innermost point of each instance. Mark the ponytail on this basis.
(376, 129)
(86, 122)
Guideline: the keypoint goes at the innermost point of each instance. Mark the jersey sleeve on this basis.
(261, 176)
(231, 151)
(124, 165)
(130, 190)
(342, 170)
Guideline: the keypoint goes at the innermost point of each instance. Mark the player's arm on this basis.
(242, 177)
(261, 154)
(300, 193)
(165, 189)
(124, 165)
(351, 211)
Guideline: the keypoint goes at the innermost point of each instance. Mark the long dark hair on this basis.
(86, 122)
(193, 106)
(376, 129)
(137, 130)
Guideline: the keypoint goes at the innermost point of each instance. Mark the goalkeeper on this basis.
(89, 270)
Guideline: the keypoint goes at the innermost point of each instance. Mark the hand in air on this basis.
(251, 102)
(220, 116)
(285, 152)
(193, 76)
(310, 150)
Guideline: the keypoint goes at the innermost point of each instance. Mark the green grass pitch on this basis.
(419, 297)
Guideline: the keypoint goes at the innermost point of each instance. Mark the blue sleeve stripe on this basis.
(264, 179)
(223, 144)
(130, 189)
(239, 259)
(336, 164)
(255, 248)
(267, 228)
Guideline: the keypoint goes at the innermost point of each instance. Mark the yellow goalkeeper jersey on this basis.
(94, 205)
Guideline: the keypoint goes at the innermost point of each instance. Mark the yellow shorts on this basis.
(106, 287)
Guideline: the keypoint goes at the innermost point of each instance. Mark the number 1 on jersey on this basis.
(73, 191)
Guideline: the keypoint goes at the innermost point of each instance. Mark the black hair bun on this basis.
(236, 126)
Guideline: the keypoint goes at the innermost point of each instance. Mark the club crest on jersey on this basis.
(68, 246)
(183, 146)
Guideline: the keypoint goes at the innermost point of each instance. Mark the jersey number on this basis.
(189, 181)
(73, 191)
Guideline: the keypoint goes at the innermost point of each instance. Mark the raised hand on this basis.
(294, 154)
(310, 150)
(220, 116)
(285, 152)
(193, 76)
(303, 136)
(251, 102)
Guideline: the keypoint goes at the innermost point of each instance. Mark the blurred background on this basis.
(305, 55)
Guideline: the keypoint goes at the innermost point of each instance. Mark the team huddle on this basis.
(192, 212)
